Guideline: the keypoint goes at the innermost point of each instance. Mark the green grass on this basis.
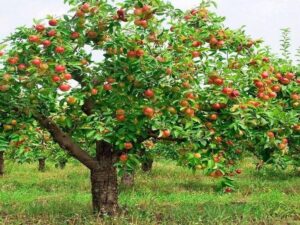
(167, 195)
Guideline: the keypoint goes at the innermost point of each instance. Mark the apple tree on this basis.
(163, 75)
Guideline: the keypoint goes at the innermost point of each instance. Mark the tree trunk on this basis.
(1, 163)
(127, 179)
(147, 166)
(42, 165)
(62, 164)
(104, 181)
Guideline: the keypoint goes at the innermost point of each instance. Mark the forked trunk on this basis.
(1, 163)
(104, 181)
(127, 179)
(42, 165)
(147, 165)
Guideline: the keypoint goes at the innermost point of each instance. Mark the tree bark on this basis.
(42, 165)
(1, 163)
(104, 181)
(127, 179)
(147, 166)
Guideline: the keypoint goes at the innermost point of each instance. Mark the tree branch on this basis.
(66, 142)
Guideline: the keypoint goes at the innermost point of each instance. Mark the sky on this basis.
(262, 18)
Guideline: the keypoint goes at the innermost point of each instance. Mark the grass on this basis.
(167, 195)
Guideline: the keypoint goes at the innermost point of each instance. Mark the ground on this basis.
(167, 195)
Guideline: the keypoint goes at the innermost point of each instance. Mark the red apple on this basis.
(33, 39)
(149, 112)
(52, 33)
(37, 62)
(56, 79)
(53, 22)
(128, 145)
(46, 43)
(75, 35)
(40, 27)
(59, 49)
(149, 93)
(107, 87)
(60, 68)
(64, 87)
(68, 76)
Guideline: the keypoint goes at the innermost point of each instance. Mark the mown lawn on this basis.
(167, 195)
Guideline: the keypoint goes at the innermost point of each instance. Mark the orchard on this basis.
(173, 84)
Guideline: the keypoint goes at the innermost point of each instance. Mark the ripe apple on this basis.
(284, 80)
(40, 27)
(295, 96)
(184, 103)
(228, 190)
(53, 22)
(60, 68)
(227, 90)
(121, 117)
(146, 9)
(276, 88)
(138, 11)
(270, 134)
(235, 94)
(107, 87)
(218, 81)
(259, 84)
(266, 59)
(264, 74)
(289, 76)
(92, 34)
(128, 145)
(149, 93)
(169, 71)
(68, 76)
(56, 79)
(33, 38)
(166, 133)
(75, 35)
(21, 67)
(196, 43)
(1, 53)
(59, 49)
(52, 33)
(190, 112)
(149, 112)
(213, 117)
(94, 91)
(37, 62)
(216, 106)
(195, 54)
(131, 54)
(85, 7)
(272, 94)
(123, 157)
(46, 43)
(139, 53)
(64, 87)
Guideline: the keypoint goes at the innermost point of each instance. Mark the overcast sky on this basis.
(263, 18)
